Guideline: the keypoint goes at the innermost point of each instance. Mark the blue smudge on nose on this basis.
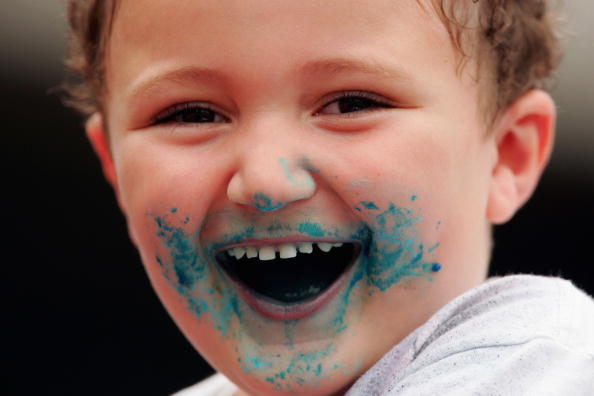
(263, 203)
(306, 164)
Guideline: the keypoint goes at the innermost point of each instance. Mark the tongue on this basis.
(292, 280)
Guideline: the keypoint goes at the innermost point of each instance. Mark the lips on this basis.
(288, 280)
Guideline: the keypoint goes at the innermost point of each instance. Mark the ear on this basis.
(98, 138)
(524, 137)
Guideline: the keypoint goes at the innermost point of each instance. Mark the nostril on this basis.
(263, 203)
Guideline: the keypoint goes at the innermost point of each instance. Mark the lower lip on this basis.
(283, 312)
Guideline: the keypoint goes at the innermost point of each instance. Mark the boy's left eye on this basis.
(354, 102)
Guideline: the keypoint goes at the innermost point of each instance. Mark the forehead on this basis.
(265, 44)
(254, 33)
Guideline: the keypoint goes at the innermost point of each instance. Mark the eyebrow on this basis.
(348, 65)
(181, 76)
(331, 66)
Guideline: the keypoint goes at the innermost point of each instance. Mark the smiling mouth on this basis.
(288, 274)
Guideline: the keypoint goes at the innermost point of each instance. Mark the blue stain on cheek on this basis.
(186, 270)
(369, 205)
(396, 253)
(263, 203)
(186, 265)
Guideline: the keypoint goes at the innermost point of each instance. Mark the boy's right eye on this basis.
(190, 113)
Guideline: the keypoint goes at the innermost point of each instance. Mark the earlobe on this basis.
(524, 138)
(98, 138)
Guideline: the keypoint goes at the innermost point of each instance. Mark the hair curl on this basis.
(515, 44)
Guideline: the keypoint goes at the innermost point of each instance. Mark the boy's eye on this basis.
(190, 113)
(354, 102)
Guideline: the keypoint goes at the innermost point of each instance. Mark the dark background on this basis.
(79, 314)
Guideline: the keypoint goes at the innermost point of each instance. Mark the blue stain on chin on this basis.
(263, 203)
(300, 366)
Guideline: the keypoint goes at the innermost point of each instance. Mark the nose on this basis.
(268, 181)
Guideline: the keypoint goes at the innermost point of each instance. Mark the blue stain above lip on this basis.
(311, 229)
(263, 203)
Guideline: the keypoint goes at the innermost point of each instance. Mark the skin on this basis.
(280, 154)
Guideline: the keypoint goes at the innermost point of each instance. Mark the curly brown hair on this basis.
(515, 44)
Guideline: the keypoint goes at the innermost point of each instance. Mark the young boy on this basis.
(312, 185)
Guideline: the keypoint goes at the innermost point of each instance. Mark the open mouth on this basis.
(289, 273)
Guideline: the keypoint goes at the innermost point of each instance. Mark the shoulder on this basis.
(513, 310)
(215, 385)
(521, 334)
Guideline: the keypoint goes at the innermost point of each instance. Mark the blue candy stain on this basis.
(369, 205)
(311, 229)
(265, 204)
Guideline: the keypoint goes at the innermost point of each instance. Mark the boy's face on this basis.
(261, 125)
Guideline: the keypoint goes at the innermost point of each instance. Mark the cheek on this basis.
(154, 178)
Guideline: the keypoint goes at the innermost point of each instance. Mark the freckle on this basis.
(436, 267)
(413, 198)
(173, 210)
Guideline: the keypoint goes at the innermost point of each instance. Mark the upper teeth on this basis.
(285, 250)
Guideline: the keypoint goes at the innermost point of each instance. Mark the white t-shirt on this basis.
(516, 335)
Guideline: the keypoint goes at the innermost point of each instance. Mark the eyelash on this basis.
(171, 114)
(367, 102)
(371, 102)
